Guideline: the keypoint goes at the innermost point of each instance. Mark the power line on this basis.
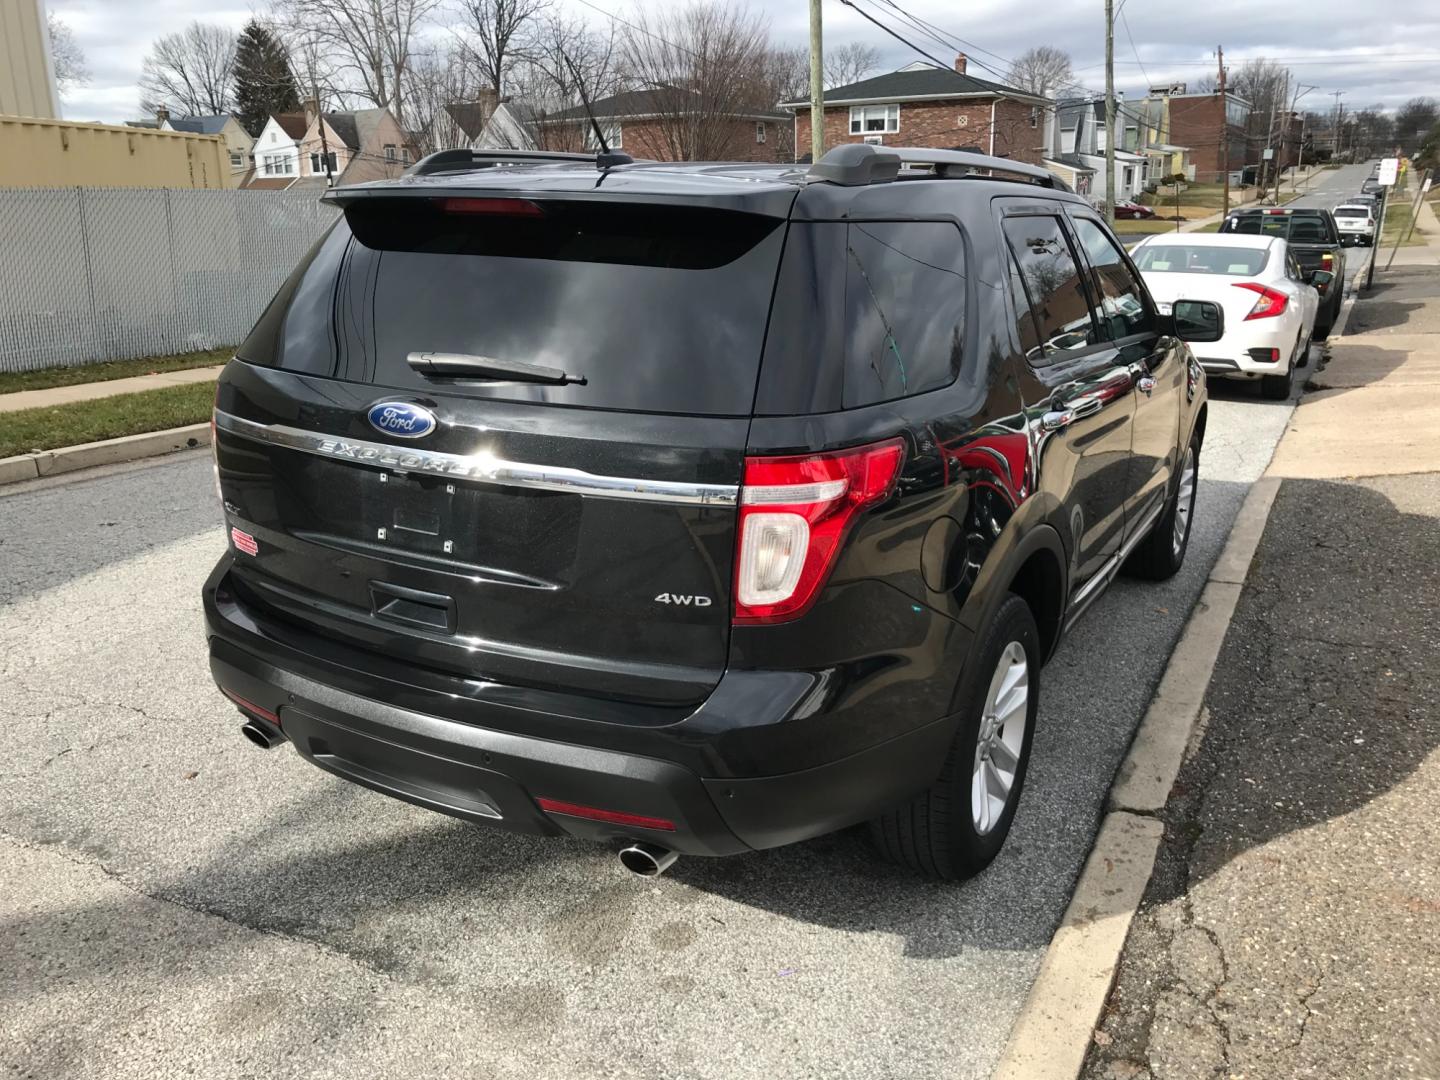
(1131, 37)
(865, 15)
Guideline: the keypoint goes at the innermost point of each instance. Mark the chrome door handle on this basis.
(1057, 419)
(1145, 385)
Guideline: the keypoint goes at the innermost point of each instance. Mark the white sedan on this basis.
(1268, 301)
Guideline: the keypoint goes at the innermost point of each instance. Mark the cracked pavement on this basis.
(1292, 926)
(179, 903)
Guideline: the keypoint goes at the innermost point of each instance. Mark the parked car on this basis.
(1270, 310)
(635, 503)
(1133, 211)
(1372, 186)
(1313, 239)
(1356, 222)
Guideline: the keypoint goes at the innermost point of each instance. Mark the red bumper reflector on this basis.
(613, 817)
(251, 707)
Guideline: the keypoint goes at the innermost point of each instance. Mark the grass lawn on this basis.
(105, 418)
(10, 382)
(1397, 220)
(1214, 226)
(1152, 226)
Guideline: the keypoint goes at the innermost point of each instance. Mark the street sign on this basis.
(1389, 169)
(1269, 153)
(1425, 190)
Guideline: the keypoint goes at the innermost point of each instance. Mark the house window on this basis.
(612, 137)
(277, 165)
(318, 163)
(237, 161)
(874, 119)
(390, 152)
(1035, 116)
(759, 131)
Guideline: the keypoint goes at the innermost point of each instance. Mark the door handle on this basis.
(1146, 385)
(1081, 407)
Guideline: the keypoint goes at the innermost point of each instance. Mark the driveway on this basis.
(179, 902)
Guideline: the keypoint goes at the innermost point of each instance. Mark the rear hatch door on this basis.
(574, 535)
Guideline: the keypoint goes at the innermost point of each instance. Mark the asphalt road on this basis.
(1327, 190)
(180, 903)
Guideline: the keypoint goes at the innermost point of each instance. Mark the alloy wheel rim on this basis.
(1002, 738)
(1184, 501)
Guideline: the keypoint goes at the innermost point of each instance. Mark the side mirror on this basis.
(1198, 320)
(1321, 279)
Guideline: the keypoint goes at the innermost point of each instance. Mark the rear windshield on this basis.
(1200, 259)
(1352, 211)
(657, 309)
(1296, 228)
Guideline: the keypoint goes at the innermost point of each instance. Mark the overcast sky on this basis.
(1379, 52)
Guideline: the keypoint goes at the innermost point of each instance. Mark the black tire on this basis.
(1158, 556)
(935, 834)
(1277, 387)
(1302, 359)
(1322, 328)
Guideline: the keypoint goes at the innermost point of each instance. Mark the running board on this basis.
(1092, 589)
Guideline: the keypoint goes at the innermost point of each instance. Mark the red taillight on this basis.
(1327, 260)
(251, 707)
(613, 817)
(499, 207)
(794, 512)
(1270, 304)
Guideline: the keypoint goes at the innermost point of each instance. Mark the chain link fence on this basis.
(94, 274)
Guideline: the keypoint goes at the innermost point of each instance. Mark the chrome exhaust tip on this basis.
(262, 735)
(647, 860)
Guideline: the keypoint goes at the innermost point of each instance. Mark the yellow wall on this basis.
(60, 153)
(27, 85)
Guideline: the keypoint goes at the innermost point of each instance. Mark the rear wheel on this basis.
(1277, 387)
(1162, 553)
(957, 826)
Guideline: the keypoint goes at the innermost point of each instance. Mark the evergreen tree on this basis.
(264, 83)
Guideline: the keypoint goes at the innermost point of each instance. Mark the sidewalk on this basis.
(1292, 925)
(65, 395)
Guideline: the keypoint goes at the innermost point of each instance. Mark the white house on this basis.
(510, 127)
(1080, 160)
(277, 151)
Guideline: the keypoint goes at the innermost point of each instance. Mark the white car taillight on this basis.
(794, 513)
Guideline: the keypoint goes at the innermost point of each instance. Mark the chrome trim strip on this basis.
(1092, 589)
(485, 468)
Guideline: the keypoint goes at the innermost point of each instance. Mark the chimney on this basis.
(312, 110)
(162, 115)
(960, 63)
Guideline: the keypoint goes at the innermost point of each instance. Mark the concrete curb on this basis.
(106, 452)
(1053, 1033)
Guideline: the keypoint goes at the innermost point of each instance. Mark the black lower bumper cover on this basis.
(496, 777)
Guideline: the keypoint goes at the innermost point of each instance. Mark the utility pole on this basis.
(1224, 133)
(1300, 91)
(1268, 167)
(817, 84)
(1335, 135)
(1110, 111)
(324, 142)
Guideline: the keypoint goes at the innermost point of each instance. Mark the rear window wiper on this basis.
(439, 365)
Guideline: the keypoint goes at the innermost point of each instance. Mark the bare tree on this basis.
(848, 63)
(1042, 70)
(495, 33)
(365, 44)
(1262, 83)
(190, 72)
(67, 56)
(442, 75)
(706, 66)
(564, 62)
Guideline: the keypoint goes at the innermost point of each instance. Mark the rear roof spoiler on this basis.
(463, 160)
(858, 164)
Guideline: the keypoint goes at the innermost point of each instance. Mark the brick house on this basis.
(1205, 123)
(665, 124)
(922, 105)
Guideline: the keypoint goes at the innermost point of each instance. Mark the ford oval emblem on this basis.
(402, 419)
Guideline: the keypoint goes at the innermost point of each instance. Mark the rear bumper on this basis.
(400, 740)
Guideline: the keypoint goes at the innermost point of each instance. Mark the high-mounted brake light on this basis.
(1270, 303)
(494, 207)
(794, 513)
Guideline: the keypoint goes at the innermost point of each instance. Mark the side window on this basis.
(1025, 328)
(1123, 310)
(1052, 281)
(904, 309)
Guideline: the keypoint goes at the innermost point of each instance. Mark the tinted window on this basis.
(1121, 297)
(904, 309)
(1297, 228)
(1052, 282)
(1025, 327)
(1200, 259)
(1352, 212)
(658, 308)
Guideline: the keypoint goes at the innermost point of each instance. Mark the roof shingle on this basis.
(929, 82)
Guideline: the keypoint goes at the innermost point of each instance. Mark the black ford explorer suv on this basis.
(701, 508)
(1313, 238)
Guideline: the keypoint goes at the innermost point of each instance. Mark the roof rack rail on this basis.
(855, 165)
(960, 163)
(459, 160)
